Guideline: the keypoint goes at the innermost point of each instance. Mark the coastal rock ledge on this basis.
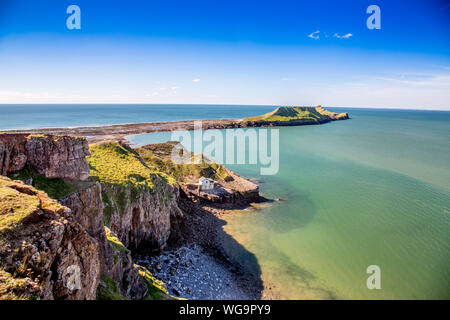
(44, 252)
(50, 156)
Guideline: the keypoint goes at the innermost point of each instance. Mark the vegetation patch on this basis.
(111, 292)
(307, 114)
(114, 241)
(114, 163)
(56, 188)
(156, 288)
(15, 207)
(12, 288)
(159, 157)
(124, 175)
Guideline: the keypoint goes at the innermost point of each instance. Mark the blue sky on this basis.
(227, 52)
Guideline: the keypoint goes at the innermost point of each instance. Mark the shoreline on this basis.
(99, 133)
(197, 266)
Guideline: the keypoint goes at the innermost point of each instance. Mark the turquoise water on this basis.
(373, 190)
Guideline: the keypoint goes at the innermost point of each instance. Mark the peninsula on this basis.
(281, 116)
(93, 218)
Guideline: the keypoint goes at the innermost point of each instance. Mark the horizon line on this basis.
(229, 104)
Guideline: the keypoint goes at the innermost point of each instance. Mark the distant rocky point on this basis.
(282, 116)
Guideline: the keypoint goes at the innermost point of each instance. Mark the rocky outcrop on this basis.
(123, 270)
(60, 250)
(117, 264)
(51, 156)
(234, 190)
(44, 252)
(333, 115)
(228, 187)
(87, 209)
(142, 218)
(141, 203)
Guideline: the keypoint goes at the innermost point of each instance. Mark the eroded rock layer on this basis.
(51, 156)
(44, 252)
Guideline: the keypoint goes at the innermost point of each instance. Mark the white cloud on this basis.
(174, 88)
(196, 80)
(345, 36)
(153, 94)
(314, 35)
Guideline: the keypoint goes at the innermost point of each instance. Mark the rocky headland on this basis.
(75, 218)
(92, 218)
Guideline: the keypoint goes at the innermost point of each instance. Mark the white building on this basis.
(205, 183)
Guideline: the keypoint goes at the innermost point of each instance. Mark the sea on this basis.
(373, 190)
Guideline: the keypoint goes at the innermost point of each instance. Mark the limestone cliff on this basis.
(44, 252)
(116, 263)
(141, 204)
(52, 250)
(51, 156)
(229, 187)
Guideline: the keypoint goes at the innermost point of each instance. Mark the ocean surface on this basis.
(26, 116)
(372, 190)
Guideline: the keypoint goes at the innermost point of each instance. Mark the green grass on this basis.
(114, 163)
(15, 207)
(56, 188)
(114, 241)
(307, 114)
(18, 201)
(111, 292)
(158, 156)
(156, 288)
(11, 287)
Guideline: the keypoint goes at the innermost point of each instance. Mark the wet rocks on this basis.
(192, 273)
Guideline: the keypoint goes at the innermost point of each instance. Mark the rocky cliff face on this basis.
(87, 209)
(51, 250)
(229, 188)
(44, 252)
(141, 204)
(51, 156)
(142, 218)
(116, 264)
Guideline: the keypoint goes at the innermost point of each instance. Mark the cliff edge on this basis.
(59, 248)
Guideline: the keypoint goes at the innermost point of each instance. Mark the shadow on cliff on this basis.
(202, 227)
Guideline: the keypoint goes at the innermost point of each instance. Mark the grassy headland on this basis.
(159, 156)
(298, 115)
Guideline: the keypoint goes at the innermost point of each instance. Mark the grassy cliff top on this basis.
(159, 156)
(56, 188)
(313, 114)
(114, 163)
(20, 207)
(18, 201)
